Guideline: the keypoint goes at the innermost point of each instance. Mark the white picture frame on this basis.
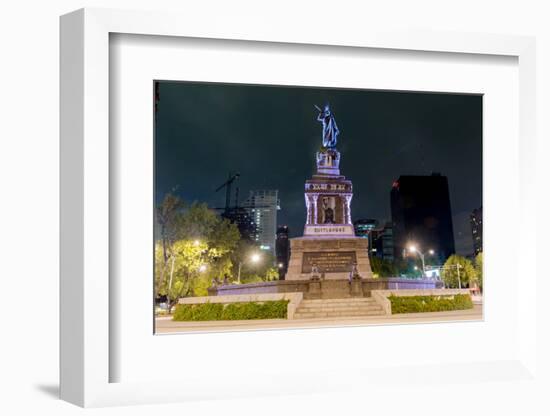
(86, 334)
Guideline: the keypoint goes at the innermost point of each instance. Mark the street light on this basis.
(254, 258)
(414, 249)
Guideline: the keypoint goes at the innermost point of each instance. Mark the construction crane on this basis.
(227, 185)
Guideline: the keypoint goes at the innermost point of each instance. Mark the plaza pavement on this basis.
(165, 325)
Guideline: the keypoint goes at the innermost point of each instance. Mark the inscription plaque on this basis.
(328, 261)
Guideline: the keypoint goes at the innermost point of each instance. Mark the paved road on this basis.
(165, 325)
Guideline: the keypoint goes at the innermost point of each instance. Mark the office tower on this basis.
(282, 250)
(421, 215)
(476, 224)
(262, 206)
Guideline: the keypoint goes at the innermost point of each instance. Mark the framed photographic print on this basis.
(241, 244)
(275, 209)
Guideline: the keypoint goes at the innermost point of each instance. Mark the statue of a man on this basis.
(330, 129)
(328, 212)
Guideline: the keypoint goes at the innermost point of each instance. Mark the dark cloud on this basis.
(270, 134)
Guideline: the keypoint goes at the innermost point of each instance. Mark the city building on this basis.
(421, 215)
(363, 227)
(366, 228)
(244, 222)
(382, 242)
(282, 250)
(262, 206)
(476, 224)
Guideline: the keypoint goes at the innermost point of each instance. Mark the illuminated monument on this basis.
(329, 248)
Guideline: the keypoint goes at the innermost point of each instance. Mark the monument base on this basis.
(326, 289)
(328, 257)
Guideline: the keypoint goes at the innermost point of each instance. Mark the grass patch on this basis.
(435, 303)
(273, 309)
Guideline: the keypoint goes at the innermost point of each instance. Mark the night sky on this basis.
(270, 135)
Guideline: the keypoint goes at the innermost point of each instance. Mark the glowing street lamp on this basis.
(254, 258)
(414, 249)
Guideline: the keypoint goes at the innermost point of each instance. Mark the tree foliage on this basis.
(479, 270)
(383, 268)
(167, 214)
(458, 267)
(194, 246)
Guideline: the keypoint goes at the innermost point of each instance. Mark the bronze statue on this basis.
(328, 217)
(330, 129)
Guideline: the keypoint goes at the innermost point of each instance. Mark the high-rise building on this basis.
(262, 206)
(363, 227)
(382, 242)
(241, 218)
(421, 215)
(476, 224)
(282, 250)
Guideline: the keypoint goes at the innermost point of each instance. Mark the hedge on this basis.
(273, 309)
(435, 303)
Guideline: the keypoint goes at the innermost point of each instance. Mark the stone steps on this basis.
(340, 300)
(314, 315)
(307, 304)
(337, 308)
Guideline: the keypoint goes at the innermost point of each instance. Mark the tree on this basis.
(383, 268)
(185, 268)
(479, 270)
(194, 249)
(458, 267)
(167, 213)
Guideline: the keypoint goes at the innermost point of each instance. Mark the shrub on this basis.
(201, 312)
(435, 303)
(276, 309)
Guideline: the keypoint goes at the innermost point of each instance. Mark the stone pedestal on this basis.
(332, 256)
(356, 287)
(314, 288)
(329, 246)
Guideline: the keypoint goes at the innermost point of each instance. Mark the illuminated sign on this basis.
(329, 230)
